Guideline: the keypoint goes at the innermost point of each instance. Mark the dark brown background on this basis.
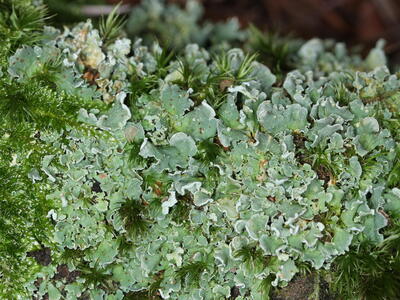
(356, 22)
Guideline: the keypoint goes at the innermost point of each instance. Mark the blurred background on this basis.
(355, 22)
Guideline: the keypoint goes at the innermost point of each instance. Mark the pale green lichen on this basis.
(175, 185)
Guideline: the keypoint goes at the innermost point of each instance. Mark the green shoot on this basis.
(21, 23)
(132, 215)
(192, 271)
(95, 277)
(275, 51)
(252, 257)
(110, 28)
(245, 68)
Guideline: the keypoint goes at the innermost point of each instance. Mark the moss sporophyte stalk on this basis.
(159, 157)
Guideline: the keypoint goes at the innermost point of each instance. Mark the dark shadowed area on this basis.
(356, 22)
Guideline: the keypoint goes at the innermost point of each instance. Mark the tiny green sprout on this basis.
(131, 212)
(192, 272)
(252, 257)
(265, 286)
(276, 51)
(133, 148)
(21, 23)
(110, 28)
(245, 68)
(163, 59)
(94, 276)
(394, 175)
